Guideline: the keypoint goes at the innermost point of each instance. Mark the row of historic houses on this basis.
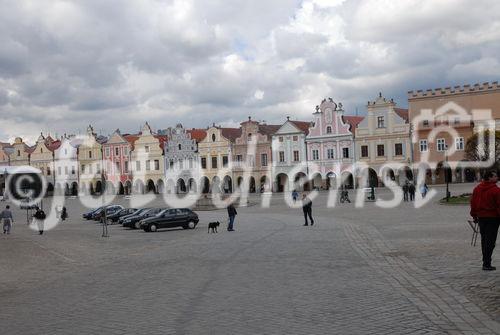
(330, 150)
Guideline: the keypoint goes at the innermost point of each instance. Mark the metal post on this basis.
(447, 175)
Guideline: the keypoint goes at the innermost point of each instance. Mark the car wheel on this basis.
(153, 228)
(190, 225)
(137, 225)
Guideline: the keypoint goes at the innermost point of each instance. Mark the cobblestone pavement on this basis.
(356, 271)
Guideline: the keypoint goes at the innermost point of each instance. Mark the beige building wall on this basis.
(147, 162)
(90, 163)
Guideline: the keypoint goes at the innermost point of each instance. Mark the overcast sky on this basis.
(116, 64)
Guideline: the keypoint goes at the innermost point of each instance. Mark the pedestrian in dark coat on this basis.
(411, 191)
(307, 209)
(64, 214)
(7, 218)
(231, 212)
(405, 191)
(39, 220)
(485, 209)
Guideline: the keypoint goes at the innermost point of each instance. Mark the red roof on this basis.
(53, 145)
(353, 121)
(131, 139)
(231, 133)
(403, 113)
(302, 125)
(197, 134)
(268, 129)
(163, 139)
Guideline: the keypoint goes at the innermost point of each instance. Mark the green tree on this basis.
(474, 153)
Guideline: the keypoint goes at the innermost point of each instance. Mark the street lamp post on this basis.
(447, 176)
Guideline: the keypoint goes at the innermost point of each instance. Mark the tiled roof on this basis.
(353, 121)
(197, 134)
(163, 139)
(302, 125)
(131, 139)
(231, 133)
(268, 129)
(54, 145)
(402, 112)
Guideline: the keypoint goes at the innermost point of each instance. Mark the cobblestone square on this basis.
(356, 271)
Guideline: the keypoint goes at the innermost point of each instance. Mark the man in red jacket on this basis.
(485, 208)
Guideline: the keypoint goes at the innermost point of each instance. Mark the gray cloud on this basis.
(66, 64)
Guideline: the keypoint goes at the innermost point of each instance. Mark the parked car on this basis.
(133, 221)
(111, 209)
(89, 214)
(170, 218)
(137, 212)
(123, 212)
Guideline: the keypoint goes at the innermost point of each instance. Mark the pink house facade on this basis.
(330, 146)
(117, 164)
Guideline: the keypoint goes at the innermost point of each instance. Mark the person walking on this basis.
(423, 190)
(231, 212)
(39, 219)
(405, 191)
(307, 209)
(295, 195)
(485, 209)
(8, 220)
(411, 191)
(64, 214)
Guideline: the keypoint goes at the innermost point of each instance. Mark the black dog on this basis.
(213, 226)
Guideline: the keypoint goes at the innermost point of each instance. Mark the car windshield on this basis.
(162, 212)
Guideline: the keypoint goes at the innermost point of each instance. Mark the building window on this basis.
(296, 156)
(263, 159)
(330, 153)
(171, 164)
(423, 145)
(126, 167)
(148, 165)
(426, 123)
(239, 158)
(380, 150)
(48, 170)
(98, 168)
(190, 163)
(295, 138)
(398, 149)
(106, 151)
(282, 156)
(279, 139)
(225, 161)
(315, 153)
(117, 167)
(380, 122)
(203, 162)
(59, 170)
(125, 151)
(18, 153)
(213, 137)
(364, 151)
(180, 147)
(157, 165)
(146, 148)
(117, 151)
(73, 170)
(41, 150)
(441, 144)
(249, 137)
(137, 165)
(214, 162)
(83, 168)
(345, 152)
(329, 130)
(456, 120)
(90, 154)
(459, 143)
